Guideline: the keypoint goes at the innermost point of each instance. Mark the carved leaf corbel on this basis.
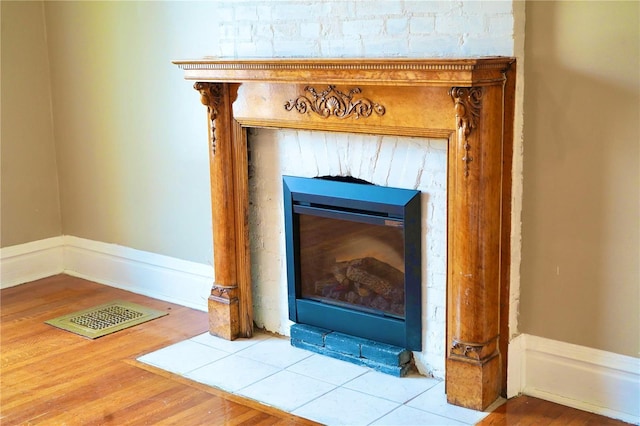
(211, 97)
(474, 351)
(224, 292)
(333, 102)
(467, 105)
(466, 350)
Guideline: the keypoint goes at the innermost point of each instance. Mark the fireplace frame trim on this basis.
(469, 102)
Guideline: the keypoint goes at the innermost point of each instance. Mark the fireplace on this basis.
(354, 258)
(468, 102)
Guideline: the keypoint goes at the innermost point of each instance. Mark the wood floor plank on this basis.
(102, 404)
(529, 411)
(159, 406)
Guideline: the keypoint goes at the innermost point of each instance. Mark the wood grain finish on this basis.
(505, 261)
(53, 377)
(526, 410)
(469, 102)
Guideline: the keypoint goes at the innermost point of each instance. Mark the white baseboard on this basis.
(515, 366)
(31, 261)
(576, 376)
(154, 275)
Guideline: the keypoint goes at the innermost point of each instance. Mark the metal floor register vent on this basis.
(105, 319)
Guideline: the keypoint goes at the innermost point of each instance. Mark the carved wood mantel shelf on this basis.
(469, 102)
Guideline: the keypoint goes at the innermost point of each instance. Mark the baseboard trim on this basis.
(576, 376)
(515, 366)
(154, 275)
(31, 261)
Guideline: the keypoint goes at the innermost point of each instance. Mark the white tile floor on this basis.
(268, 369)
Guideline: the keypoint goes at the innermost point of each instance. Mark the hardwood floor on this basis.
(526, 410)
(53, 377)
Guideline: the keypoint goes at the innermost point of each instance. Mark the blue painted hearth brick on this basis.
(308, 346)
(385, 354)
(394, 370)
(378, 356)
(344, 343)
(309, 334)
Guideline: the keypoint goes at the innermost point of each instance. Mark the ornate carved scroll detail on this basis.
(467, 104)
(473, 351)
(466, 350)
(224, 293)
(332, 102)
(211, 97)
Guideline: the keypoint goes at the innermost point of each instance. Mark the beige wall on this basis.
(580, 277)
(29, 190)
(133, 166)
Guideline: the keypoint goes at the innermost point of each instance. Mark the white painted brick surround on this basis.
(351, 28)
(400, 162)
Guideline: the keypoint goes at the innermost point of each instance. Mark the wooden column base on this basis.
(473, 384)
(224, 313)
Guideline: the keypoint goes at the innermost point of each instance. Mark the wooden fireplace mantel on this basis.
(469, 102)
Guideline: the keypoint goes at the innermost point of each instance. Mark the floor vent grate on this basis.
(105, 319)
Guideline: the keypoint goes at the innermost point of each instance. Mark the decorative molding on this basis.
(344, 65)
(228, 293)
(211, 97)
(467, 104)
(332, 102)
(31, 261)
(473, 351)
(466, 350)
(588, 379)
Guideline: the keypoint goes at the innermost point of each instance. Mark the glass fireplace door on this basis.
(350, 263)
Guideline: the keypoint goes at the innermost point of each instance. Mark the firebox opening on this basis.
(353, 258)
(348, 179)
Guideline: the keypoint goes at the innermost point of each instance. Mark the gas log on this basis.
(367, 282)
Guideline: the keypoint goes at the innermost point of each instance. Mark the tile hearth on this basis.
(268, 369)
